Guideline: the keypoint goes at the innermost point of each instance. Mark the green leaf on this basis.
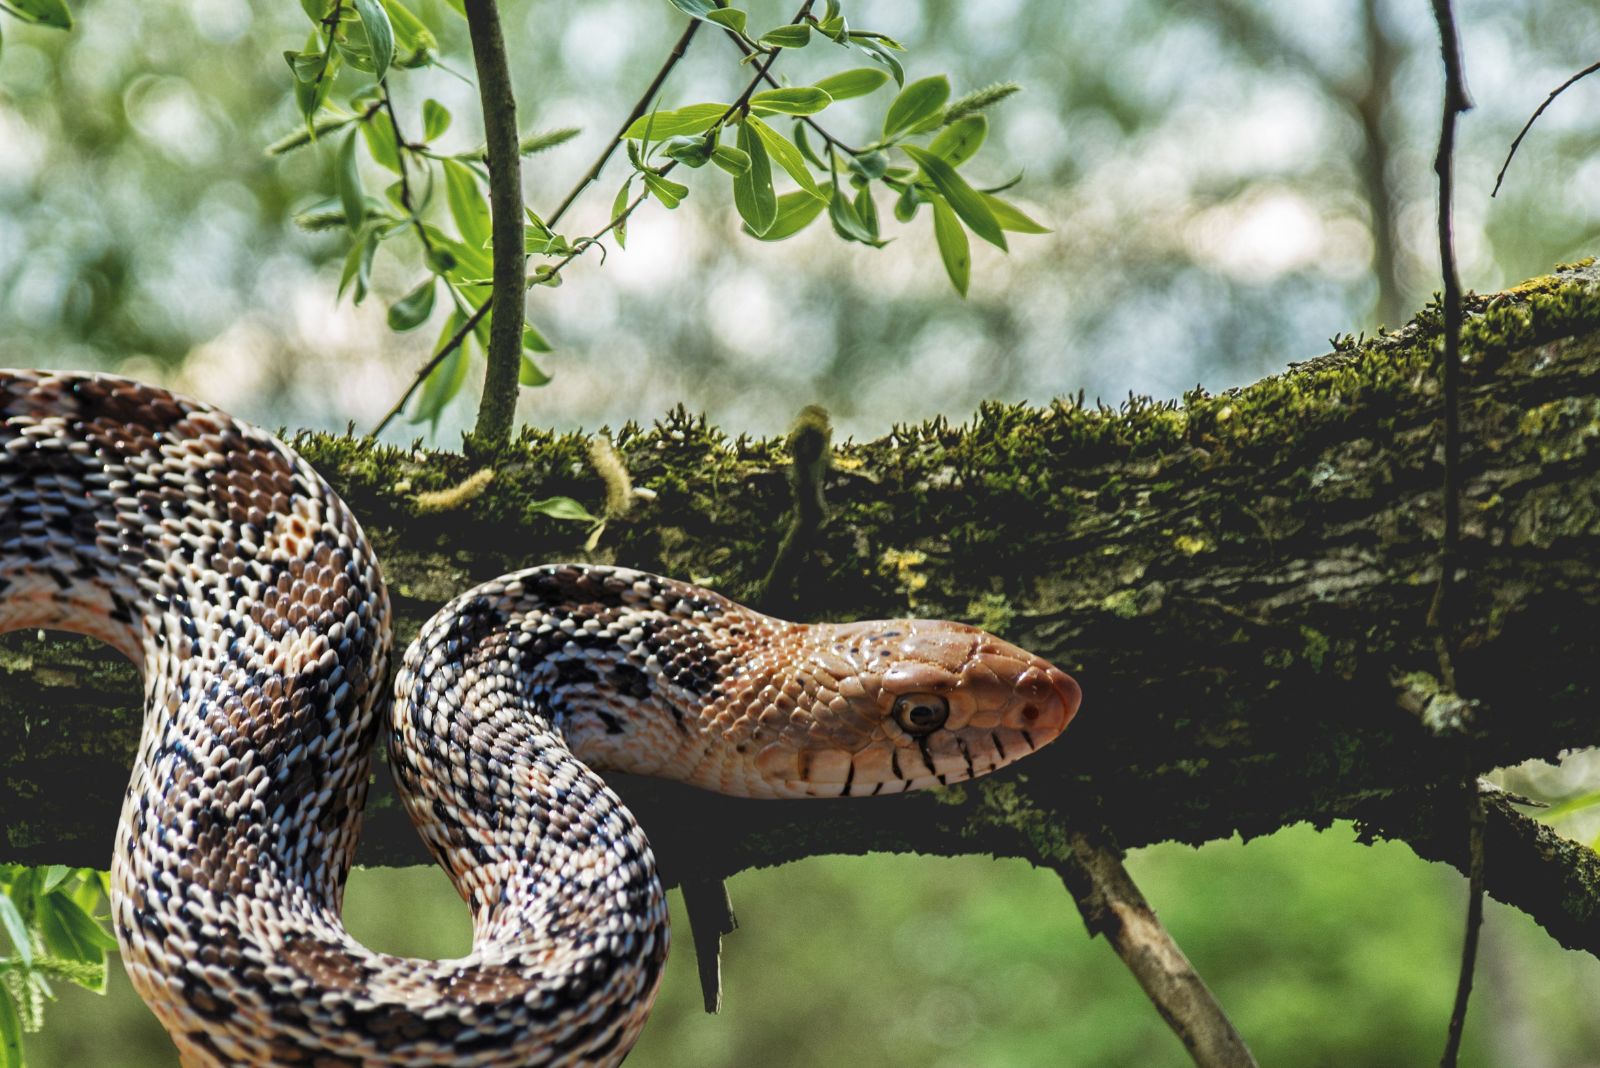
(966, 201)
(545, 140)
(846, 222)
(730, 159)
(529, 374)
(411, 35)
(380, 35)
(689, 149)
(348, 179)
(870, 165)
(10, 1031)
(694, 118)
(731, 17)
(54, 876)
(43, 12)
(533, 341)
(953, 247)
(796, 211)
(358, 265)
(306, 65)
(70, 932)
(876, 50)
(467, 206)
(961, 140)
(619, 205)
(670, 193)
(1010, 217)
(794, 36)
(16, 929)
(381, 141)
(867, 212)
(851, 83)
(800, 100)
(435, 119)
(563, 508)
(446, 380)
(917, 103)
(752, 190)
(779, 148)
(413, 309)
(696, 9)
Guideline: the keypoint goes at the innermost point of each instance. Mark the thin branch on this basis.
(497, 408)
(1113, 906)
(434, 361)
(1456, 101)
(1442, 615)
(1476, 819)
(401, 148)
(832, 141)
(637, 110)
(1557, 91)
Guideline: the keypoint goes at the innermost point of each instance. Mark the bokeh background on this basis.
(1229, 182)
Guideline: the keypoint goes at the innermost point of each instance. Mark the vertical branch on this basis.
(497, 409)
(1376, 154)
(1456, 101)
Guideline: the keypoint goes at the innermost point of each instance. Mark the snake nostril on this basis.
(1030, 712)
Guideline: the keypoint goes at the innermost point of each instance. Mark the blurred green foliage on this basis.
(1324, 952)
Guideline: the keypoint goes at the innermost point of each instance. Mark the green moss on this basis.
(1316, 647)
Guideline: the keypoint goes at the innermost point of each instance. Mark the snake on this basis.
(210, 553)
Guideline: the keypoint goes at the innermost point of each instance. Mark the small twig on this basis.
(634, 113)
(832, 141)
(434, 361)
(1557, 91)
(400, 150)
(1113, 906)
(710, 917)
(497, 408)
(1456, 101)
(1476, 820)
(332, 24)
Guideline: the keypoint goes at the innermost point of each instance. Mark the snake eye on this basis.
(920, 713)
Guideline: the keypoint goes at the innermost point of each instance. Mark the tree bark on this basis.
(1240, 583)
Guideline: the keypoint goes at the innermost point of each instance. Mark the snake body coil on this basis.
(210, 553)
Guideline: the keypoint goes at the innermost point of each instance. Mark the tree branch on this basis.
(1517, 143)
(497, 409)
(1237, 583)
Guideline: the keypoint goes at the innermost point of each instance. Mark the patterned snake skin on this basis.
(207, 551)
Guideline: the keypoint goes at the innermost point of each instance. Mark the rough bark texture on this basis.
(1240, 583)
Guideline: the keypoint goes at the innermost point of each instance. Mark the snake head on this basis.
(903, 704)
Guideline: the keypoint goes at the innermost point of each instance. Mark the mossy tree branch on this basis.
(1240, 583)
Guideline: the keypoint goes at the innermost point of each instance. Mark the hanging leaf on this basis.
(961, 140)
(10, 1031)
(16, 929)
(786, 154)
(966, 201)
(801, 100)
(413, 309)
(358, 265)
(695, 118)
(916, 104)
(530, 375)
(619, 209)
(730, 159)
(670, 193)
(563, 508)
(348, 179)
(43, 12)
(852, 83)
(467, 206)
(446, 380)
(1010, 217)
(533, 341)
(435, 119)
(752, 190)
(796, 211)
(380, 35)
(731, 17)
(795, 36)
(953, 247)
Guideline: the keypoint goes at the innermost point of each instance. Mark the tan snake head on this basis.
(885, 706)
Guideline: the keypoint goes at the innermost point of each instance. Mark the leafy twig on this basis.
(832, 141)
(401, 148)
(637, 110)
(549, 273)
(1557, 91)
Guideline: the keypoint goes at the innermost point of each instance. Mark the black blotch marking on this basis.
(994, 736)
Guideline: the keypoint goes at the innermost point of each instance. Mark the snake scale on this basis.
(210, 553)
